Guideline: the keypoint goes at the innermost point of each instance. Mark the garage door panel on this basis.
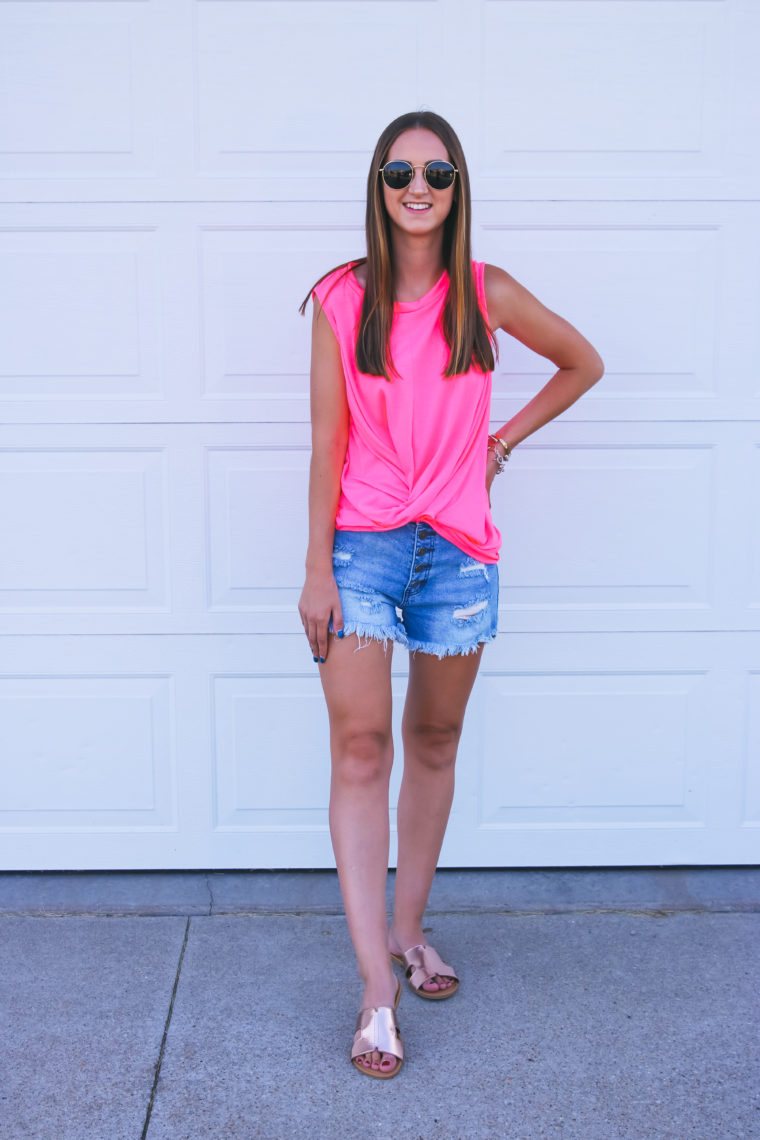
(669, 294)
(89, 753)
(654, 64)
(266, 776)
(665, 761)
(88, 529)
(618, 527)
(667, 118)
(271, 767)
(646, 726)
(657, 321)
(257, 522)
(83, 80)
(335, 76)
(95, 296)
(148, 529)
(264, 269)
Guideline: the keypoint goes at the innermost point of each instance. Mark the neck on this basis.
(417, 265)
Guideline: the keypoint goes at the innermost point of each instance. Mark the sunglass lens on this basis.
(397, 175)
(440, 175)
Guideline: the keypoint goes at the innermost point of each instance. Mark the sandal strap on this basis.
(377, 1029)
(422, 962)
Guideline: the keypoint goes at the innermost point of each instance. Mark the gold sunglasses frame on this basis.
(424, 168)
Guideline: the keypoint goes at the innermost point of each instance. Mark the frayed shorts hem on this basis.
(441, 651)
(386, 633)
(383, 633)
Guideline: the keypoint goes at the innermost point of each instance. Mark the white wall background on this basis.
(175, 174)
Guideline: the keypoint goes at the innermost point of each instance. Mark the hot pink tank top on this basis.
(417, 445)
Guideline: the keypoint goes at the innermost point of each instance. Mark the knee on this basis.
(363, 757)
(433, 745)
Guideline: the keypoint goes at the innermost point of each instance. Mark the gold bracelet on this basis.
(507, 447)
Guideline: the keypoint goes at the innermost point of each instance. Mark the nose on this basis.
(418, 185)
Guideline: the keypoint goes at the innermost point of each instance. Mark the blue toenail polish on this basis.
(315, 659)
(340, 633)
(321, 660)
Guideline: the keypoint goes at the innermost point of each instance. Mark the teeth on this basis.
(416, 206)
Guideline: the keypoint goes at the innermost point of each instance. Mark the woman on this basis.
(401, 542)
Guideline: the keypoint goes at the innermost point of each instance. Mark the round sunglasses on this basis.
(398, 174)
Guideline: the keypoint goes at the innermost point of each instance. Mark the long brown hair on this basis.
(464, 326)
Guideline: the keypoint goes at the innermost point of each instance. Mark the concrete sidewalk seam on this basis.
(339, 912)
(504, 911)
(161, 1051)
(207, 880)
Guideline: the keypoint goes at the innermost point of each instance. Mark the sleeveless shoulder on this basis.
(336, 285)
(340, 296)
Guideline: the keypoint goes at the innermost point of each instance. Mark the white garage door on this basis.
(176, 173)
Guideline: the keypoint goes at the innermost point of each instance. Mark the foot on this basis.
(377, 993)
(438, 983)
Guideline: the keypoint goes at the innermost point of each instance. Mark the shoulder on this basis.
(502, 294)
(337, 295)
(340, 278)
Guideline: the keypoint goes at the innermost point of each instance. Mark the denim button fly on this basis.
(411, 585)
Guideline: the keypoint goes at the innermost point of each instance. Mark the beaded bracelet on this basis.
(501, 460)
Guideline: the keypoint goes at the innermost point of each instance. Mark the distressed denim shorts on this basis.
(412, 586)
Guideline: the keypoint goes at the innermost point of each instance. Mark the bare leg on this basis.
(357, 686)
(433, 715)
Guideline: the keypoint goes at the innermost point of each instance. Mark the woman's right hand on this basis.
(319, 602)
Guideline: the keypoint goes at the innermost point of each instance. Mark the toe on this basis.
(376, 1061)
(435, 983)
(438, 982)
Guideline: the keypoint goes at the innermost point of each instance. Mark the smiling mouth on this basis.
(417, 207)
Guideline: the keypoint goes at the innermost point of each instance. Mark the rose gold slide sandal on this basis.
(421, 963)
(377, 1029)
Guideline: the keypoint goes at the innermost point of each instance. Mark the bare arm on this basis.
(512, 308)
(329, 433)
